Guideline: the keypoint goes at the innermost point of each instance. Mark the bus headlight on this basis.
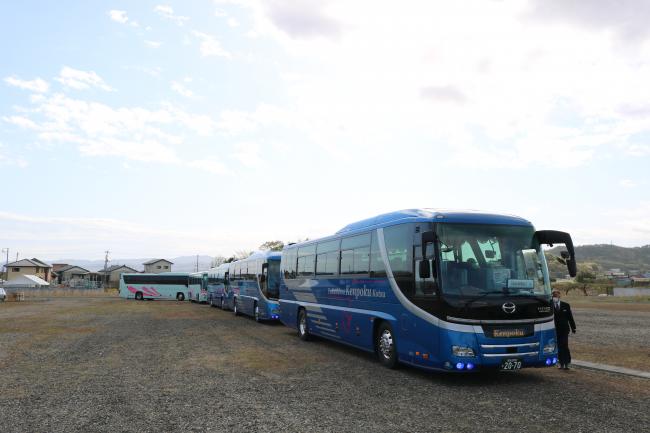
(549, 347)
(461, 351)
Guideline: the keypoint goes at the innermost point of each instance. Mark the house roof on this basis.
(69, 267)
(28, 263)
(152, 261)
(115, 268)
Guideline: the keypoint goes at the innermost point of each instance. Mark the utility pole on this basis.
(105, 279)
(197, 263)
(6, 250)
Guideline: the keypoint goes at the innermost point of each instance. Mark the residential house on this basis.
(111, 277)
(72, 276)
(28, 267)
(157, 266)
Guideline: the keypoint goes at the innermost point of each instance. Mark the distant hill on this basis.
(612, 256)
(181, 264)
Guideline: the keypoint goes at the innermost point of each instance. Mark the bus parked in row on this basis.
(168, 285)
(198, 287)
(218, 285)
(440, 290)
(253, 286)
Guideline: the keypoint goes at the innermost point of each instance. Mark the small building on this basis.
(71, 275)
(26, 282)
(34, 267)
(157, 266)
(111, 277)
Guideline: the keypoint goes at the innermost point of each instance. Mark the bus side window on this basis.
(399, 248)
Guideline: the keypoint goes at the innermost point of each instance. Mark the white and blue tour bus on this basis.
(440, 290)
(168, 285)
(254, 284)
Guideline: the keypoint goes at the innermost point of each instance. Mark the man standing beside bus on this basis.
(563, 324)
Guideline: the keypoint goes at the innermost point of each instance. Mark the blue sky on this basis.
(169, 128)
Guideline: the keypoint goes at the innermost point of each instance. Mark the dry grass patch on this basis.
(628, 357)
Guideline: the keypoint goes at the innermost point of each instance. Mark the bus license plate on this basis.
(511, 364)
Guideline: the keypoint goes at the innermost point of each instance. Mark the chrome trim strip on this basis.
(499, 346)
(501, 322)
(509, 355)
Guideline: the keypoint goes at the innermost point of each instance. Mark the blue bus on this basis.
(255, 285)
(168, 285)
(218, 286)
(198, 287)
(440, 290)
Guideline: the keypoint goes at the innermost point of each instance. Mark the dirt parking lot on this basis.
(112, 365)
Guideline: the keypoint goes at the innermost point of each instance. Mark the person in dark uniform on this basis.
(563, 325)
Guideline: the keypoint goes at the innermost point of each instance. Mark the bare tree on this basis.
(217, 260)
(242, 254)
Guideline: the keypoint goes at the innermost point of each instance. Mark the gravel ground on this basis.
(123, 366)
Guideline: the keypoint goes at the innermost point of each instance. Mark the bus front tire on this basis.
(180, 297)
(257, 313)
(386, 347)
(234, 307)
(223, 307)
(138, 296)
(303, 329)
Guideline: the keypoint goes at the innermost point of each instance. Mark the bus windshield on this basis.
(482, 260)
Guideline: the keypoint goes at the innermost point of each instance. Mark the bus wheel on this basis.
(385, 344)
(221, 304)
(303, 330)
(234, 307)
(138, 296)
(180, 297)
(257, 313)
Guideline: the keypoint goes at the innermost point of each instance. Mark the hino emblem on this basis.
(509, 307)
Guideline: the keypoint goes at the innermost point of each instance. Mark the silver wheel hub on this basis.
(303, 324)
(386, 344)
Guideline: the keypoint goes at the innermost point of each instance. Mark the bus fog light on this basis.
(550, 347)
(549, 361)
(460, 366)
(461, 351)
(470, 366)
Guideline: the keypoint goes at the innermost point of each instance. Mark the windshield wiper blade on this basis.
(482, 295)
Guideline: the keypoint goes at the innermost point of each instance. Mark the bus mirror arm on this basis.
(550, 237)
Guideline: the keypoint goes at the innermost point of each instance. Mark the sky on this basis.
(173, 128)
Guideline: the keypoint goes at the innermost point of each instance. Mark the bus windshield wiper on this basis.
(482, 295)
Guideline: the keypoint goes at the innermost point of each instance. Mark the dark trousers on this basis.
(563, 352)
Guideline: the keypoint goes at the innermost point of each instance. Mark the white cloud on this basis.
(627, 183)
(20, 121)
(181, 89)
(81, 80)
(12, 160)
(209, 164)
(167, 12)
(118, 16)
(232, 22)
(210, 46)
(248, 154)
(131, 133)
(36, 85)
(153, 44)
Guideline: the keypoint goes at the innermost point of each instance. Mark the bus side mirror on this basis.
(428, 237)
(550, 237)
(424, 270)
